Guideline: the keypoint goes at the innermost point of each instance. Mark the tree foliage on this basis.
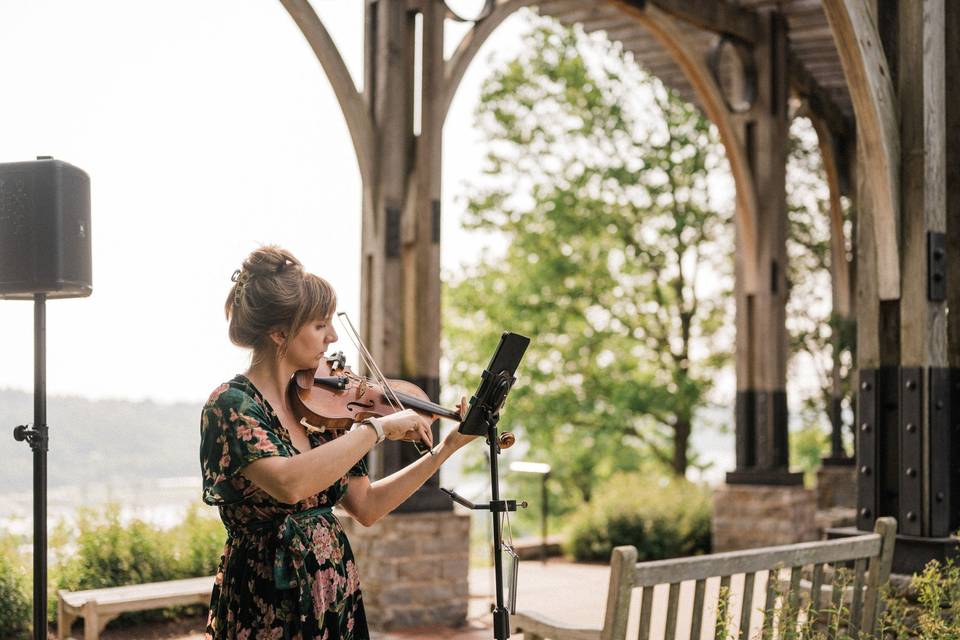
(618, 259)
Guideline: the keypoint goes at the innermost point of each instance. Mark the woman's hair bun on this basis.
(270, 259)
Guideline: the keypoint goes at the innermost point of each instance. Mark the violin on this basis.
(333, 397)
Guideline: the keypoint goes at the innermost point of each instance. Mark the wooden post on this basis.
(923, 321)
(762, 447)
(400, 247)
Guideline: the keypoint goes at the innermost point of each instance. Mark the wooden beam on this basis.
(351, 102)
(819, 101)
(920, 74)
(952, 48)
(871, 91)
(457, 65)
(664, 29)
(839, 265)
(717, 16)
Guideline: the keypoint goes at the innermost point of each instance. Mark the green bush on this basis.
(109, 553)
(15, 608)
(661, 518)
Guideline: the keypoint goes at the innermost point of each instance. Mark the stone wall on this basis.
(748, 516)
(836, 486)
(413, 568)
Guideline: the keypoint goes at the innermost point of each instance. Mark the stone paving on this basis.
(572, 593)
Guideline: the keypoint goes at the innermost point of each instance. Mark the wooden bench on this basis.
(797, 571)
(97, 607)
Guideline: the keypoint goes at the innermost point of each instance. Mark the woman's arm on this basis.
(292, 479)
(368, 502)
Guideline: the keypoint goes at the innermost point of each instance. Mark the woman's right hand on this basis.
(407, 425)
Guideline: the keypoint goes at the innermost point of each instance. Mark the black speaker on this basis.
(44, 230)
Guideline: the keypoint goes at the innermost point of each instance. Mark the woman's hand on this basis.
(455, 439)
(407, 425)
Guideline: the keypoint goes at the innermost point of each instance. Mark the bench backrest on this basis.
(871, 556)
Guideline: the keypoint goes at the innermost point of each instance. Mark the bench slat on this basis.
(697, 621)
(673, 600)
(646, 612)
(856, 608)
(137, 592)
(746, 610)
(731, 562)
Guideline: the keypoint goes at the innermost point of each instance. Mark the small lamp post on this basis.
(543, 469)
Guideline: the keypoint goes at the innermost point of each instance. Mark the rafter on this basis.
(718, 16)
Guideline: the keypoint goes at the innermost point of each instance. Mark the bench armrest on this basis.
(528, 622)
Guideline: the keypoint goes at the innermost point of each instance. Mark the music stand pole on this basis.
(501, 617)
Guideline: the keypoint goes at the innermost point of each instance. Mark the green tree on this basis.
(617, 262)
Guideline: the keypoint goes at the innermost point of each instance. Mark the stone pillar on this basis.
(413, 568)
(750, 516)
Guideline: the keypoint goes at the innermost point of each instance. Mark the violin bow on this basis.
(367, 359)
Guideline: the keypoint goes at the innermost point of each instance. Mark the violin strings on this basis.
(368, 361)
(371, 364)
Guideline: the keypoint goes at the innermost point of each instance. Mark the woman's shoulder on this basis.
(236, 393)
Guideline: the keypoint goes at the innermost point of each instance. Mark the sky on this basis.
(208, 128)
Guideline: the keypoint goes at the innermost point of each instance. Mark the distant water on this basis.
(162, 501)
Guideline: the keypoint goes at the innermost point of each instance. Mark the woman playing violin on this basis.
(287, 570)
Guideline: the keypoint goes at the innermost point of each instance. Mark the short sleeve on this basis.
(359, 469)
(234, 431)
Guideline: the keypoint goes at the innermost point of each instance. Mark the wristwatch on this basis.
(377, 425)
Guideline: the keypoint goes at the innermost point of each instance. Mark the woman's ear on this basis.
(278, 336)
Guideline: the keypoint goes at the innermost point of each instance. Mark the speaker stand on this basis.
(37, 437)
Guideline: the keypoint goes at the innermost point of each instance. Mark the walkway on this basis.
(573, 593)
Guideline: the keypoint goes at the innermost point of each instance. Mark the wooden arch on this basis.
(661, 27)
(874, 103)
(351, 101)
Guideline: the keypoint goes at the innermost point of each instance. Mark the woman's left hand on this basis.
(455, 439)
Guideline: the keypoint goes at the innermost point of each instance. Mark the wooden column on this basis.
(400, 246)
(762, 446)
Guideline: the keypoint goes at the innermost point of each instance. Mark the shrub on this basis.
(661, 518)
(110, 553)
(15, 608)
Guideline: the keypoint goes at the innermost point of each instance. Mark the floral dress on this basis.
(287, 571)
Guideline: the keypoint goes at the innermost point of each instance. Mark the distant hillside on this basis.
(100, 440)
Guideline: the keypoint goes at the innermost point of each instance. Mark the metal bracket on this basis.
(912, 468)
(36, 437)
(435, 221)
(942, 446)
(936, 266)
(393, 232)
(867, 471)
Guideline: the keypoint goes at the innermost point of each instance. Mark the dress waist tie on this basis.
(290, 562)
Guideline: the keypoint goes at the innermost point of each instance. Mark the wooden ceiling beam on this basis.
(819, 101)
(718, 16)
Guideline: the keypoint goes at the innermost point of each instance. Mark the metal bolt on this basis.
(911, 427)
(911, 384)
(940, 496)
(865, 470)
(911, 516)
(938, 404)
(865, 512)
(865, 386)
(938, 253)
(911, 472)
(865, 427)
